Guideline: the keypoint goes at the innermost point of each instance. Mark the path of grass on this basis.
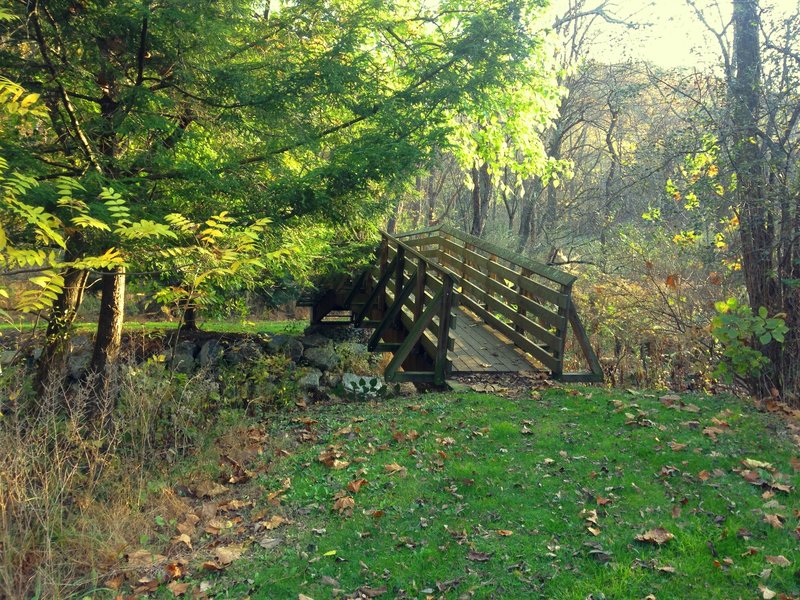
(157, 326)
(470, 495)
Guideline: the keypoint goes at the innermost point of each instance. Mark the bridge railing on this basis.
(413, 295)
(529, 302)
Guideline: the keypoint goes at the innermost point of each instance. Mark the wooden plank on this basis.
(524, 343)
(586, 377)
(461, 253)
(542, 312)
(414, 335)
(432, 240)
(379, 290)
(413, 376)
(541, 269)
(529, 285)
(392, 315)
(406, 234)
(441, 366)
(481, 283)
(534, 330)
(583, 341)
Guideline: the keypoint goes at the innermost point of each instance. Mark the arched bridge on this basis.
(446, 303)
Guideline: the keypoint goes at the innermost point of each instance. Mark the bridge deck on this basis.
(481, 349)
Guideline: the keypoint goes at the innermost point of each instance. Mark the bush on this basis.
(736, 329)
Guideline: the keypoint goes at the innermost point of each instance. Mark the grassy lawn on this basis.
(471, 495)
(156, 326)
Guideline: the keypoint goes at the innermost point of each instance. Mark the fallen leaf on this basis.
(355, 486)
(209, 489)
(183, 539)
(603, 501)
(751, 463)
(795, 462)
(667, 569)
(274, 522)
(504, 532)
(269, 543)
(594, 531)
(177, 588)
(779, 560)
(368, 592)
(225, 555)
(304, 597)
(657, 536)
(175, 570)
(325, 580)
(478, 556)
(704, 475)
(344, 504)
(712, 432)
(676, 447)
(766, 593)
(775, 520)
(143, 559)
(331, 458)
(395, 469)
(210, 565)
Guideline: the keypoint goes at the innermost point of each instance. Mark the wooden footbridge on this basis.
(446, 303)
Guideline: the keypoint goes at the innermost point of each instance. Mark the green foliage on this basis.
(737, 330)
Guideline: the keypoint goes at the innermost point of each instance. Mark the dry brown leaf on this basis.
(712, 432)
(355, 486)
(504, 532)
(142, 559)
(676, 447)
(766, 593)
(657, 536)
(210, 565)
(704, 475)
(594, 531)
(331, 457)
(795, 462)
(779, 560)
(775, 520)
(603, 501)
(395, 469)
(344, 504)
(273, 522)
(115, 582)
(183, 539)
(177, 588)
(369, 592)
(225, 555)
(478, 556)
(209, 489)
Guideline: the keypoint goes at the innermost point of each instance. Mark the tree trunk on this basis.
(109, 336)
(481, 196)
(189, 318)
(532, 192)
(756, 220)
(52, 362)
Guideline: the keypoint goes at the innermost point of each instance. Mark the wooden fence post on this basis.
(440, 366)
(419, 293)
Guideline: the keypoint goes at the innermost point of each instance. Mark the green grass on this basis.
(473, 473)
(155, 326)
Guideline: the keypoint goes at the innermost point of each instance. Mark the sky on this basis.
(669, 35)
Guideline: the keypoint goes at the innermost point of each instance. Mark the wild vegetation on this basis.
(176, 175)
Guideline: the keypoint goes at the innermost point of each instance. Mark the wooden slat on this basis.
(529, 285)
(415, 335)
(524, 343)
(541, 269)
(422, 241)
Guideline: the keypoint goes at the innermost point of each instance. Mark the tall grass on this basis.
(74, 493)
